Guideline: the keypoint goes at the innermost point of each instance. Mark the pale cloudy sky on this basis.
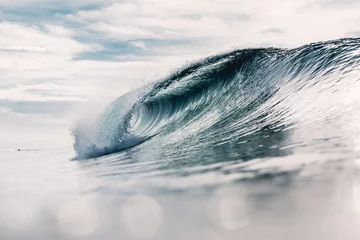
(56, 55)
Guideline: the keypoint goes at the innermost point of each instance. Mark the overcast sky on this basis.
(57, 54)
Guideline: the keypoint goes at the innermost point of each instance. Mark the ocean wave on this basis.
(230, 97)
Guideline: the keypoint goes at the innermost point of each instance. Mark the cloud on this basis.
(49, 3)
(32, 131)
(339, 3)
(53, 40)
(45, 102)
(139, 44)
(46, 92)
(162, 19)
(58, 30)
(273, 31)
(44, 54)
(354, 34)
(28, 109)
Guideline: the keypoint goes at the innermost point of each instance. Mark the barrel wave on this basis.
(269, 99)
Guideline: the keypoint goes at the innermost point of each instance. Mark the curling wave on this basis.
(231, 98)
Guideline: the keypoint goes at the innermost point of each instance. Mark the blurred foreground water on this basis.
(43, 196)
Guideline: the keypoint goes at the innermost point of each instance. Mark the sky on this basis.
(59, 59)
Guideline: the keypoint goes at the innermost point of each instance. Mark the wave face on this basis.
(250, 103)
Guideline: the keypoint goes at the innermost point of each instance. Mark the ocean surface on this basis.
(249, 144)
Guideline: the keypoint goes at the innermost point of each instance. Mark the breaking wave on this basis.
(243, 95)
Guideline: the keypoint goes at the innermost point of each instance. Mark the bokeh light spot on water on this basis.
(229, 209)
(18, 214)
(233, 213)
(356, 196)
(142, 216)
(78, 218)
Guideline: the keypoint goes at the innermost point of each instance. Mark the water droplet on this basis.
(78, 218)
